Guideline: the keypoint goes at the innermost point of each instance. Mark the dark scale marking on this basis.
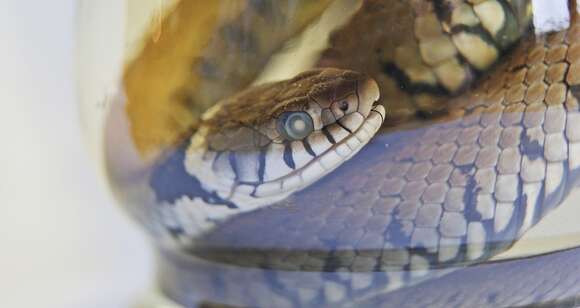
(170, 181)
(261, 165)
(575, 90)
(475, 73)
(519, 9)
(471, 75)
(175, 231)
(308, 148)
(253, 193)
(478, 31)
(346, 128)
(554, 199)
(471, 214)
(532, 149)
(392, 70)
(288, 158)
(216, 158)
(432, 258)
(328, 135)
(461, 256)
(491, 247)
(504, 42)
(406, 160)
(504, 240)
(396, 235)
(539, 206)
(470, 194)
(511, 30)
(331, 264)
(234, 164)
(443, 10)
(260, 140)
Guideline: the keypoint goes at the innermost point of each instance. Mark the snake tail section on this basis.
(423, 53)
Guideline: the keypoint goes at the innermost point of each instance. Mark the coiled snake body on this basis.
(480, 139)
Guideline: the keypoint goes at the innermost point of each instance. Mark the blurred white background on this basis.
(64, 242)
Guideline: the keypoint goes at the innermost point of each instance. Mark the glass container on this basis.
(342, 153)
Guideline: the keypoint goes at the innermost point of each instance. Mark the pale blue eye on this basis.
(295, 125)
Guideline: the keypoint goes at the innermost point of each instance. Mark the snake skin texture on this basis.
(419, 201)
(424, 52)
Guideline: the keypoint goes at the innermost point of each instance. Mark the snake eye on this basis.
(295, 125)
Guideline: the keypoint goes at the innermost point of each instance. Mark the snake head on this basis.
(269, 141)
(337, 100)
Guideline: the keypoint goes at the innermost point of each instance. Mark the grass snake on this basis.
(430, 135)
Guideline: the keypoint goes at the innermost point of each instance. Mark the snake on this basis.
(429, 136)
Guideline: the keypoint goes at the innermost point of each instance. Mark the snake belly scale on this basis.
(478, 138)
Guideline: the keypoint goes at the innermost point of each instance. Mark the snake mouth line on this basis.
(312, 158)
(327, 160)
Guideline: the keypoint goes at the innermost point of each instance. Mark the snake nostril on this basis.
(343, 106)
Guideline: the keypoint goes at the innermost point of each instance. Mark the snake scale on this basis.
(478, 138)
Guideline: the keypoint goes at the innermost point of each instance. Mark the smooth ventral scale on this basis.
(344, 153)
